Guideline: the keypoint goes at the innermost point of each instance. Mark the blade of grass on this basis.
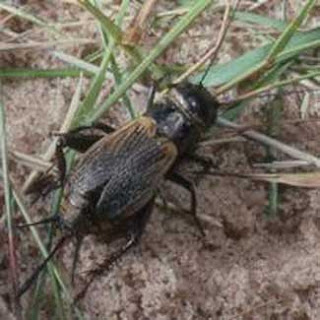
(79, 63)
(85, 66)
(44, 45)
(125, 97)
(294, 52)
(276, 53)
(29, 17)
(45, 73)
(273, 114)
(289, 32)
(265, 140)
(112, 29)
(114, 65)
(13, 269)
(301, 180)
(64, 127)
(211, 53)
(278, 84)
(271, 209)
(226, 73)
(282, 164)
(305, 180)
(237, 106)
(30, 161)
(93, 93)
(260, 20)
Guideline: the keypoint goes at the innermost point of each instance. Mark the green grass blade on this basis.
(29, 73)
(289, 32)
(114, 66)
(79, 63)
(260, 20)
(93, 93)
(13, 268)
(106, 22)
(232, 72)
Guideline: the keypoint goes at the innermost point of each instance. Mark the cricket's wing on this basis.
(123, 169)
(136, 178)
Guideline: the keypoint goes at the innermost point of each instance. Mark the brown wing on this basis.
(136, 179)
(123, 169)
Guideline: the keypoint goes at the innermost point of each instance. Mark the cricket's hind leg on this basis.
(135, 228)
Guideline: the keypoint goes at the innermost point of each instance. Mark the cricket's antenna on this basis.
(206, 71)
(52, 219)
(212, 53)
(36, 273)
(267, 94)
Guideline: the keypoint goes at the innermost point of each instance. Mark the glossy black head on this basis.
(185, 114)
(201, 104)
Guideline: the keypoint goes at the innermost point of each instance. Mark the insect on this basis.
(117, 178)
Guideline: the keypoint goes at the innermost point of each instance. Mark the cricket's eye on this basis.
(192, 102)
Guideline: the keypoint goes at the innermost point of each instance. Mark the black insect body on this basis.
(118, 176)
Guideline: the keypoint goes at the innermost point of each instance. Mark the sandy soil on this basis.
(248, 266)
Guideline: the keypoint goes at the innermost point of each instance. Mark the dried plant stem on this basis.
(263, 139)
(211, 54)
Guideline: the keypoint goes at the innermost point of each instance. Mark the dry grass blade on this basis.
(278, 84)
(30, 161)
(137, 27)
(303, 180)
(282, 164)
(265, 140)
(44, 45)
(64, 127)
(211, 54)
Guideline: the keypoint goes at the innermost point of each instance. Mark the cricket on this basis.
(159, 160)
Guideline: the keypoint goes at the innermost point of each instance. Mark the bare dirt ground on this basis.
(247, 267)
